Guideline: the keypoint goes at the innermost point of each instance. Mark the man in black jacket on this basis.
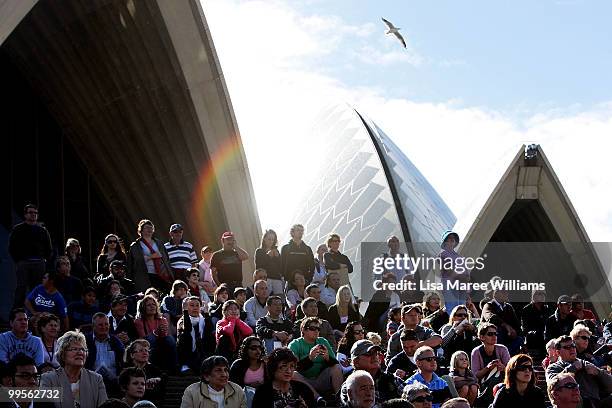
(117, 272)
(121, 323)
(403, 365)
(366, 356)
(195, 336)
(30, 248)
(108, 364)
(561, 322)
(501, 313)
(274, 327)
(296, 255)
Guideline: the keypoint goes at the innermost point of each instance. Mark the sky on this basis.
(477, 80)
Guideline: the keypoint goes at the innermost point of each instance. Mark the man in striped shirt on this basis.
(180, 252)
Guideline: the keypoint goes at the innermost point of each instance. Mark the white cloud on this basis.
(277, 62)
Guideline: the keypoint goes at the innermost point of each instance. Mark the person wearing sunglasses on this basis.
(519, 389)
(458, 334)
(337, 261)
(365, 356)
(489, 355)
(564, 391)
(426, 362)
(248, 369)
(111, 250)
(317, 364)
(418, 395)
(595, 383)
(584, 350)
(353, 332)
(280, 390)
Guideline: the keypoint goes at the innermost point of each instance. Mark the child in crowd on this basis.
(552, 354)
(172, 305)
(465, 381)
(394, 320)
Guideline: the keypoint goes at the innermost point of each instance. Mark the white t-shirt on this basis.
(217, 396)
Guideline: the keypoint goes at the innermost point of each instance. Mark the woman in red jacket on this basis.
(230, 331)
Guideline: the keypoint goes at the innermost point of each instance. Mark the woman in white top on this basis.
(208, 283)
(48, 327)
(79, 384)
(320, 273)
(296, 294)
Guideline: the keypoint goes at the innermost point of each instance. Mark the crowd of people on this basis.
(296, 337)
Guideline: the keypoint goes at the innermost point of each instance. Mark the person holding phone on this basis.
(317, 364)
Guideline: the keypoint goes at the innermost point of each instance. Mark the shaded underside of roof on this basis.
(138, 91)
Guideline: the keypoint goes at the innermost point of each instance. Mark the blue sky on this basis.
(515, 56)
(477, 77)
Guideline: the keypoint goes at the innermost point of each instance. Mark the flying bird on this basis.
(395, 31)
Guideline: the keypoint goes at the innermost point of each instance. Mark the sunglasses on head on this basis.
(569, 386)
(422, 398)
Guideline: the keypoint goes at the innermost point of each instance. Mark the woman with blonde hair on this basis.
(81, 386)
(152, 326)
(343, 311)
(464, 379)
(434, 313)
(137, 355)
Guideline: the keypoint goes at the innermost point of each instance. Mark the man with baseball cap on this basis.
(117, 272)
(411, 319)
(226, 263)
(181, 254)
(365, 355)
(121, 324)
(561, 322)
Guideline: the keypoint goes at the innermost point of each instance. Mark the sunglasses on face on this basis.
(491, 334)
(569, 347)
(313, 328)
(111, 242)
(428, 359)
(460, 315)
(422, 398)
(358, 331)
(583, 337)
(569, 386)
(524, 367)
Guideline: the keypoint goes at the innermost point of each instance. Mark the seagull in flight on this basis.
(394, 30)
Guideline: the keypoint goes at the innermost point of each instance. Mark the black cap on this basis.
(117, 263)
(118, 299)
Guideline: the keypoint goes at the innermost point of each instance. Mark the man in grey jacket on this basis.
(595, 383)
